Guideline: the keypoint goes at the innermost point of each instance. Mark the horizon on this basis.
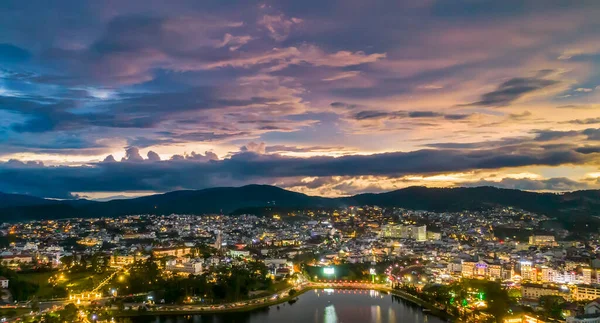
(331, 98)
(132, 195)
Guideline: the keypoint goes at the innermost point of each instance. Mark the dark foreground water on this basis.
(319, 306)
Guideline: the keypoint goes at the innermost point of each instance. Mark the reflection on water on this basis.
(330, 316)
(319, 306)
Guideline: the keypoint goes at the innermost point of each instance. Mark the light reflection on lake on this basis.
(319, 306)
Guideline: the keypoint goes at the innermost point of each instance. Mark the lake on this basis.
(318, 306)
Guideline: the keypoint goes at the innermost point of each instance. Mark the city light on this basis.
(328, 271)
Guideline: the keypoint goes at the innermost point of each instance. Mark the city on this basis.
(311, 161)
(107, 269)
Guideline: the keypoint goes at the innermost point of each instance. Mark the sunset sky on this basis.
(324, 97)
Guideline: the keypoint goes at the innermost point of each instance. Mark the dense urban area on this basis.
(499, 265)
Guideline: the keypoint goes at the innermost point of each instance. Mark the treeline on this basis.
(21, 290)
(226, 283)
(462, 299)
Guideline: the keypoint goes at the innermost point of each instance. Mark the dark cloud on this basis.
(457, 116)
(513, 89)
(585, 121)
(132, 154)
(588, 149)
(559, 184)
(540, 139)
(252, 165)
(381, 114)
(424, 114)
(253, 147)
(109, 159)
(152, 156)
(296, 149)
(13, 54)
(373, 114)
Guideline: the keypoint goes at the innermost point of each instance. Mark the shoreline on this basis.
(407, 297)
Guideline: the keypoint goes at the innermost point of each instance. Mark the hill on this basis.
(229, 199)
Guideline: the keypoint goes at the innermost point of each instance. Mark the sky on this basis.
(324, 97)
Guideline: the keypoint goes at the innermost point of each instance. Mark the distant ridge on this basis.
(14, 207)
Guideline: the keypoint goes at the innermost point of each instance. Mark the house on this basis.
(591, 314)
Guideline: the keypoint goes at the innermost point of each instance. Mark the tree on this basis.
(553, 305)
(67, 261)
(35, 305)
(69, 313)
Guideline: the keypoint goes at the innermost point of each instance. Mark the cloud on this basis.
(512, 90)
(253, 165)
(374, 114)
(342, 75)
(585, 121)
(424, 114)
(208, 156)
(281, 58)
(152, 156)
(366, 115)
(279, 26)
(234, 42)
(252, 147)
(560, 184)
(197, 75)
(12, 54)
(109, 159)
(588, 149)
(579, 106)
(132, 154)
(296, 149)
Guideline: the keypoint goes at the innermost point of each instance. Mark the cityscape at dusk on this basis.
(330, 161)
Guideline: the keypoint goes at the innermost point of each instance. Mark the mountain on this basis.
(584, 204)
(16, 200)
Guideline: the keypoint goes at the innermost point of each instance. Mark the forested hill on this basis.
(228, 199)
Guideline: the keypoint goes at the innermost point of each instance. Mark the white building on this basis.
(3, 282)
(591, 314)
(191, 267)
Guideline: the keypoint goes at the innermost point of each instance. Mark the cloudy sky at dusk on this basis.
(103, 98)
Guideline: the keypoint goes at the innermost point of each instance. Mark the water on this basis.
(319, 306)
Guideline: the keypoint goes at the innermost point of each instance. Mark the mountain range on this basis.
(571, 206)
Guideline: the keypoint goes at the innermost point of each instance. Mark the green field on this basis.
(13, 312)
(73, 282)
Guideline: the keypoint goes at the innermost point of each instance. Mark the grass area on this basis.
(74, 282)
(41, 279)
(83, 281)
(279, 285)
(13, 312)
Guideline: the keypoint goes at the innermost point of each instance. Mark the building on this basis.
(591, 314)
(528, 271)
(190, 267)
(482, 269)
(585, 293)
(173, 252)
(400, 231)
(16, 259)
(239, 253)
(455, 267)
(122, 260)
(435, 236)
(537, 240)
(523, 318)
(3, 282)
(535, 291)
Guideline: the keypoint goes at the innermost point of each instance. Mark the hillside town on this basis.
(547, 274)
